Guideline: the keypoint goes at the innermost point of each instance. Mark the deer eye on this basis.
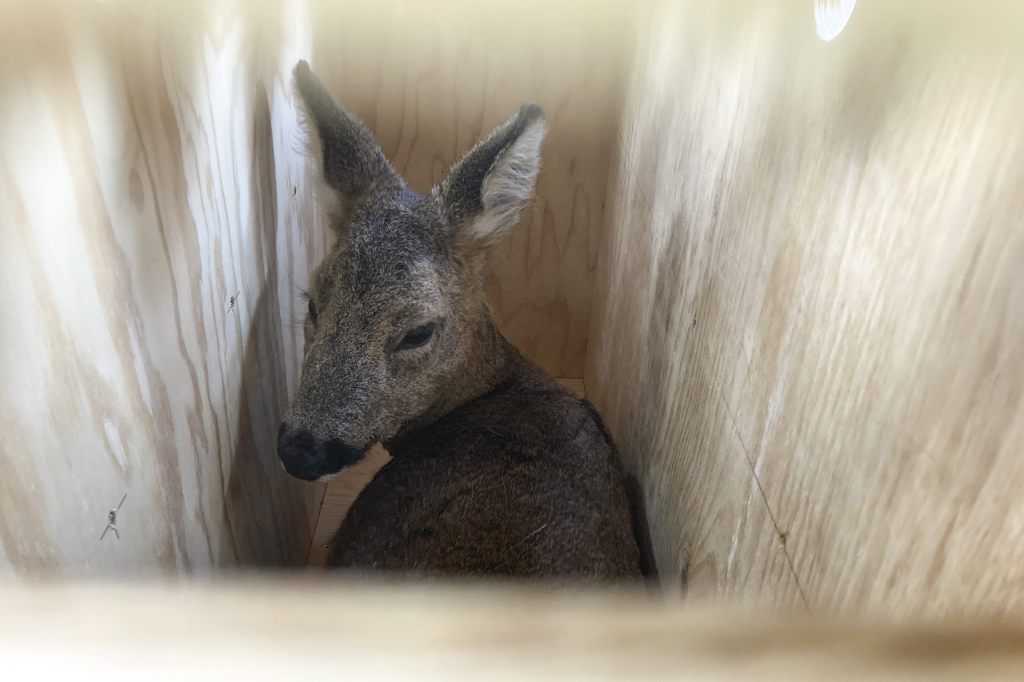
(417, 337)
(312, 311)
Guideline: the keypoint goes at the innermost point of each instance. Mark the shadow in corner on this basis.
(268, 514)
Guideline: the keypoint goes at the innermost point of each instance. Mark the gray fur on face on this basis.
(402, 263)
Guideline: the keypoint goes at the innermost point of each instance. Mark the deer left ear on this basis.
(352, 162)
(487, 190)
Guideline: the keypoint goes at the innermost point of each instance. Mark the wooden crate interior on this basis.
(787, 271)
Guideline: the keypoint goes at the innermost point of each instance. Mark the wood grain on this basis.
(431, 78)
(157, 223)
(154, 217)
(278, 630)
(808, 331)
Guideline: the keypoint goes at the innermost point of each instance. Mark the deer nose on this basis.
(307, 458)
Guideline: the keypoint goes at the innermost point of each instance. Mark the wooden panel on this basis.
(343, 490)
(810, 303)
(431, 78)
(273, 631)
(154, 215)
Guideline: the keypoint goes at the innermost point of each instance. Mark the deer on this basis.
(496, 469)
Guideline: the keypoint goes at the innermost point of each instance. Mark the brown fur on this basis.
(497, 469)
(521, 481)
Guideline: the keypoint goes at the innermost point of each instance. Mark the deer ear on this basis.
(486, 191)
(351, 160)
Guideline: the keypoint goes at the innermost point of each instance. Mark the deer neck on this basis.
(491, 361)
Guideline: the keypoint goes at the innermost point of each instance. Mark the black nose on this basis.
(307, 458)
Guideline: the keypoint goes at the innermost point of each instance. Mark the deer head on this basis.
(399, 331)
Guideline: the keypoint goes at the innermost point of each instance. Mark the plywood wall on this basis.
(431, 78)
(809, 339)
(154, 222)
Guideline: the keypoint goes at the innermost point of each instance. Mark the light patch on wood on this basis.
(146, 175)
(807, 340)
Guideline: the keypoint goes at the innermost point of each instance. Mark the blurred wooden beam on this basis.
(274, 630)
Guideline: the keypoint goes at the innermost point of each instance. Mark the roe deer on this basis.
(497, 469)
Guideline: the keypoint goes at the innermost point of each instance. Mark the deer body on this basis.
(496, 469)
(522, 481)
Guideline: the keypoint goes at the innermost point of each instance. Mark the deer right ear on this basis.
(487, 190)
(352, 162)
